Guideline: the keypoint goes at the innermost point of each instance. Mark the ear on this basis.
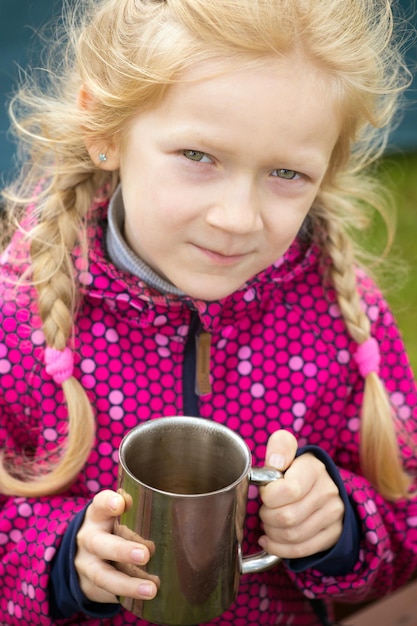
(104, 154)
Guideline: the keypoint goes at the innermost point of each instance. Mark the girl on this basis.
(181, 246)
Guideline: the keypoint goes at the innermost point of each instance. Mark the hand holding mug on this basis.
(97, 547)
(303, 513)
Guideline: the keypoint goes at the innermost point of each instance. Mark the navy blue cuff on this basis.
(339, 560)
(66, 597)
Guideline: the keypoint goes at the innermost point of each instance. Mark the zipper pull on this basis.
(203, 386)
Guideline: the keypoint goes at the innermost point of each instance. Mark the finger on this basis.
(121, 530)
(106, 584)
(306, 482)
(109, 547)
(299, 480)
(281, 449)
(319, 542)
(302, 520)
(105, 505)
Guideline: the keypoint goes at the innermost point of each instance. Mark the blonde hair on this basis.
(126, 53)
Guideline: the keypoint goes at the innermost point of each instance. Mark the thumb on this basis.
(281, 450)
(106, 504)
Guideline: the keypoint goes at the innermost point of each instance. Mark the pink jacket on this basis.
(280, 358)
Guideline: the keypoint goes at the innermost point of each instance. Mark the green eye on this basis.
(287, 174)
(194, 155)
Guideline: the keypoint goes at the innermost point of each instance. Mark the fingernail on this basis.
(277, 460)
(138, 555)
(146, 589)
(114, 503)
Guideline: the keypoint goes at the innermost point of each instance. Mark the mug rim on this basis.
(158, 422)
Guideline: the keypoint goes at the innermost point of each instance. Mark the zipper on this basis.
(190, 397)
(196, 369)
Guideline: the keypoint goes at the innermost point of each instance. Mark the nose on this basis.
(236, 208)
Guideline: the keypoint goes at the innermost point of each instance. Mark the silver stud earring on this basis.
(102, 157)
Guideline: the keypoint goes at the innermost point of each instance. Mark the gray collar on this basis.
(123, 257)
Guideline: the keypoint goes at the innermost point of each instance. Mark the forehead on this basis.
(248, 83)
(275, 98)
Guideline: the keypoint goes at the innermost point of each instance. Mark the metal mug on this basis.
(185, 481)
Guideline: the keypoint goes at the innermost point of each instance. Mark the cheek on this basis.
(281, 232)
(284, 228)
(174, 206)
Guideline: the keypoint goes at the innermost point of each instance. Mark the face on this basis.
(218, 179)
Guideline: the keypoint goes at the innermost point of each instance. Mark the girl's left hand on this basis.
(302, 513)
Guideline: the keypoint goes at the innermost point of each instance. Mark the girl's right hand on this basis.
(97, 547)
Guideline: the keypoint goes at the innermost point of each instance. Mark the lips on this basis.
(223, 258)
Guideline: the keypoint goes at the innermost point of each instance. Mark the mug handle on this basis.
(261, 560)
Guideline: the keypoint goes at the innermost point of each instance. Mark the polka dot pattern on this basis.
(280, 358)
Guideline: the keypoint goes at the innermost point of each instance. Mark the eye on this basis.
(196, 155)
(286, 174)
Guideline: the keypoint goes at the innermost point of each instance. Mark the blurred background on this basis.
(20, 23)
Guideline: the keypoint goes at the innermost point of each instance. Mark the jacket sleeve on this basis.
(388, 529)
(30, 532)
(66, 596)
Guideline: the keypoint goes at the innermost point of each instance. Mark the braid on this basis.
(54, 238)
(339, 249)
(52, 273)
(379, 451)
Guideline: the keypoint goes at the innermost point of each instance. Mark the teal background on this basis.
(19, 46)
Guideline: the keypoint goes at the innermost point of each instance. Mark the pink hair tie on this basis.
(367, 357)
(59, 364)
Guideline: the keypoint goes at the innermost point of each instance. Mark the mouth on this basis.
(223, 257)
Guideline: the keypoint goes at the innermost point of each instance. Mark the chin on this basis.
(201, 292)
